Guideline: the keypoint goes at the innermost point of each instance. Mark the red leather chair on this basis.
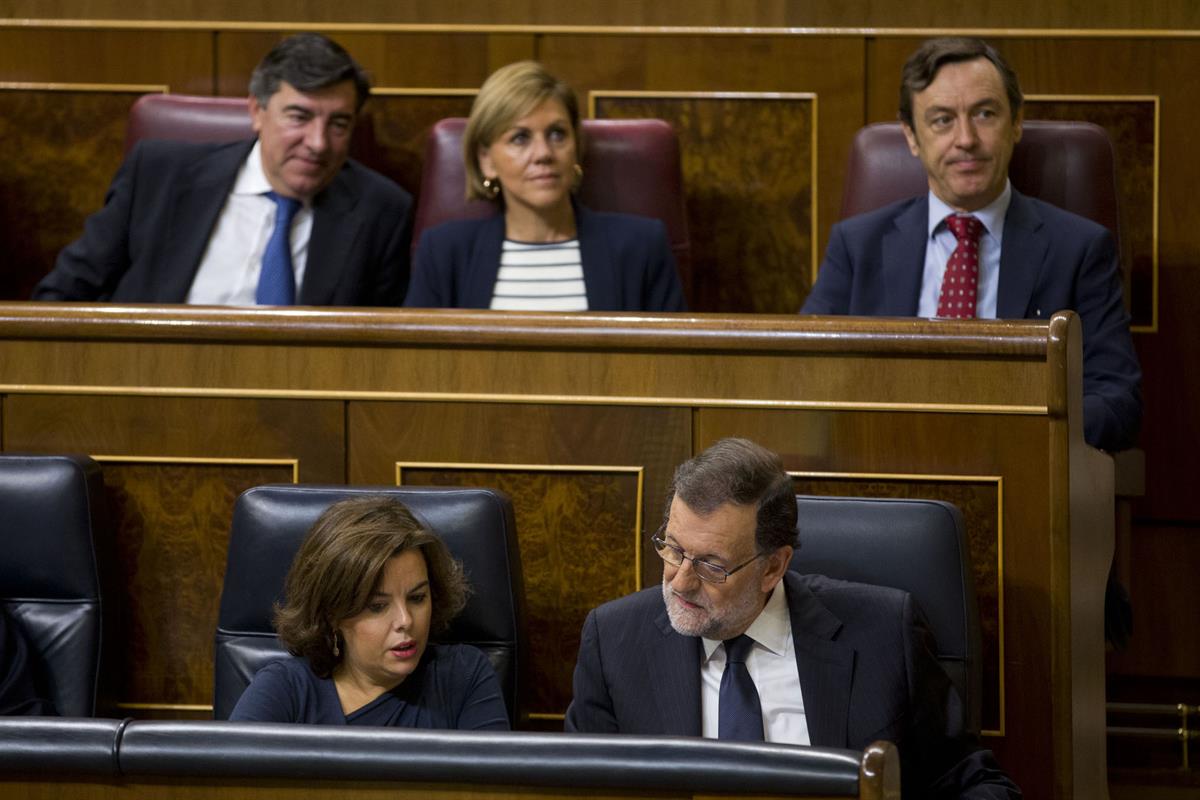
(1068, 164)
(631, 166)
(188, 118)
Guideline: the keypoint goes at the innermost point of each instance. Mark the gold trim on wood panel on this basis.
(233, 26)
(144, 88)
(1131, 98)
(541, 715)
(640, 472)
(167, 706)
(528, 399)
(671, 95)
(935, 478)
(421, 91)
(294, 463)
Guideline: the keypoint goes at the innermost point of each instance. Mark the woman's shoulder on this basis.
(616, 220)
(457, 658)
(457, 230)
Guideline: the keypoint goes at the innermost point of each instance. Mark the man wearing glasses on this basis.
(735, 646)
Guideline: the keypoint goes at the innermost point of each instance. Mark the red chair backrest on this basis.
(1068, 164)
(188, 118)
(631, 166)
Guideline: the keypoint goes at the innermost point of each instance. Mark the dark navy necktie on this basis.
(277, 280)
(740, 715)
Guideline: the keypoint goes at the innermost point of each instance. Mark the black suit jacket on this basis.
(867, 672)
(1050, 260)
(146, 243)
(627, 263)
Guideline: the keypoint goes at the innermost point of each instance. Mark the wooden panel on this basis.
(172, 470)
(70, 143)
(440, 60)
(749, 161)
(182, 60)
(576, 528)
(738, 64)
(1169, 14)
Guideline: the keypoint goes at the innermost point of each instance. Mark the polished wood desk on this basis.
(581, 418)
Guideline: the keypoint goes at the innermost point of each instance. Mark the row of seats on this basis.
(50, 585)
(103, 750)
(633, 166)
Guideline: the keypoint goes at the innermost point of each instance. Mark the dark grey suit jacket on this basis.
(867, 672)
(145, 244)
(1051, 260)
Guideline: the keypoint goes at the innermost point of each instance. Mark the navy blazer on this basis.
(145, 245)
(867, 672)
(1050, 260)
(627, 263)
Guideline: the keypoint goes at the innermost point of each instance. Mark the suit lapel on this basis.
(903, 259)
(826, 667)
(479, 283)
(334, 231)
(600, 270)
(195, 206)
(671, 665)
(1022, 258)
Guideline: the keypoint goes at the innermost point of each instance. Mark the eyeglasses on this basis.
(705, 570)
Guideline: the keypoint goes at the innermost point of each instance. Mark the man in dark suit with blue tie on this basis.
(960, 106)
(733, 645)
(283, 218)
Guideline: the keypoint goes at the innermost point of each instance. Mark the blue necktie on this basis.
(739, 717)
(277, 281)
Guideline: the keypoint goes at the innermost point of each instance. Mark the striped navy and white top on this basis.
(540, 277)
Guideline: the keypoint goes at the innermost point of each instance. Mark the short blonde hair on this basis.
(508, 94)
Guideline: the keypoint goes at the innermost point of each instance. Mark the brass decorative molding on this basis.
(294, 463)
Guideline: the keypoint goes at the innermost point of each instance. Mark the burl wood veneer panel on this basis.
(748, 181)
(576, 522)
(173, 468)
(746, 175)
(976, 450)
(70, 144)
(577, 527)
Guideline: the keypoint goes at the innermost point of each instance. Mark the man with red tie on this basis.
(974, 246)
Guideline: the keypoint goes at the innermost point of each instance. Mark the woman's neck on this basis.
(356, 690)
(525, 224)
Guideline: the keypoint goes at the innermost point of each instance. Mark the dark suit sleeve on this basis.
(939, 760)
(90, 267)
(591, 709)
(831, 293)
(432, 283)
(663, 292)
(1112, 395)
(391, 273)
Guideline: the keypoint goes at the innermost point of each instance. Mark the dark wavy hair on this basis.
(923, 65)
(341, 562)
(741, 472)
(308, 61)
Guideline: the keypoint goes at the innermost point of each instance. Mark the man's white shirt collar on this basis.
(992, 215)
(771, 628)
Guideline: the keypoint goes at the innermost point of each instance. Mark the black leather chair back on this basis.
(918, 546)
(52, 508)
(270, 522)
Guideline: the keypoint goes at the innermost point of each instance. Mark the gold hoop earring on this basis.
(578, 176)
(491, 188)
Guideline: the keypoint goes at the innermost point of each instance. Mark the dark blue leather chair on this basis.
(269, 522)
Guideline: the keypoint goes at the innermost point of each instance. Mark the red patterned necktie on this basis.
(960, 283)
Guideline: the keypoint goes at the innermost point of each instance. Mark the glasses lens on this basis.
(707, 572)
(668, 553)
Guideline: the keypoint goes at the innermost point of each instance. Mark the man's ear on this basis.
(911, 136)
(256, 113)
(777, 565)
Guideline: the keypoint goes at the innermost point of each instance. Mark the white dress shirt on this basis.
(228, 273)
(772, 665)
(940, 247)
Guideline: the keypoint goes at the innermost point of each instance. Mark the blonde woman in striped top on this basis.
(545, 251)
